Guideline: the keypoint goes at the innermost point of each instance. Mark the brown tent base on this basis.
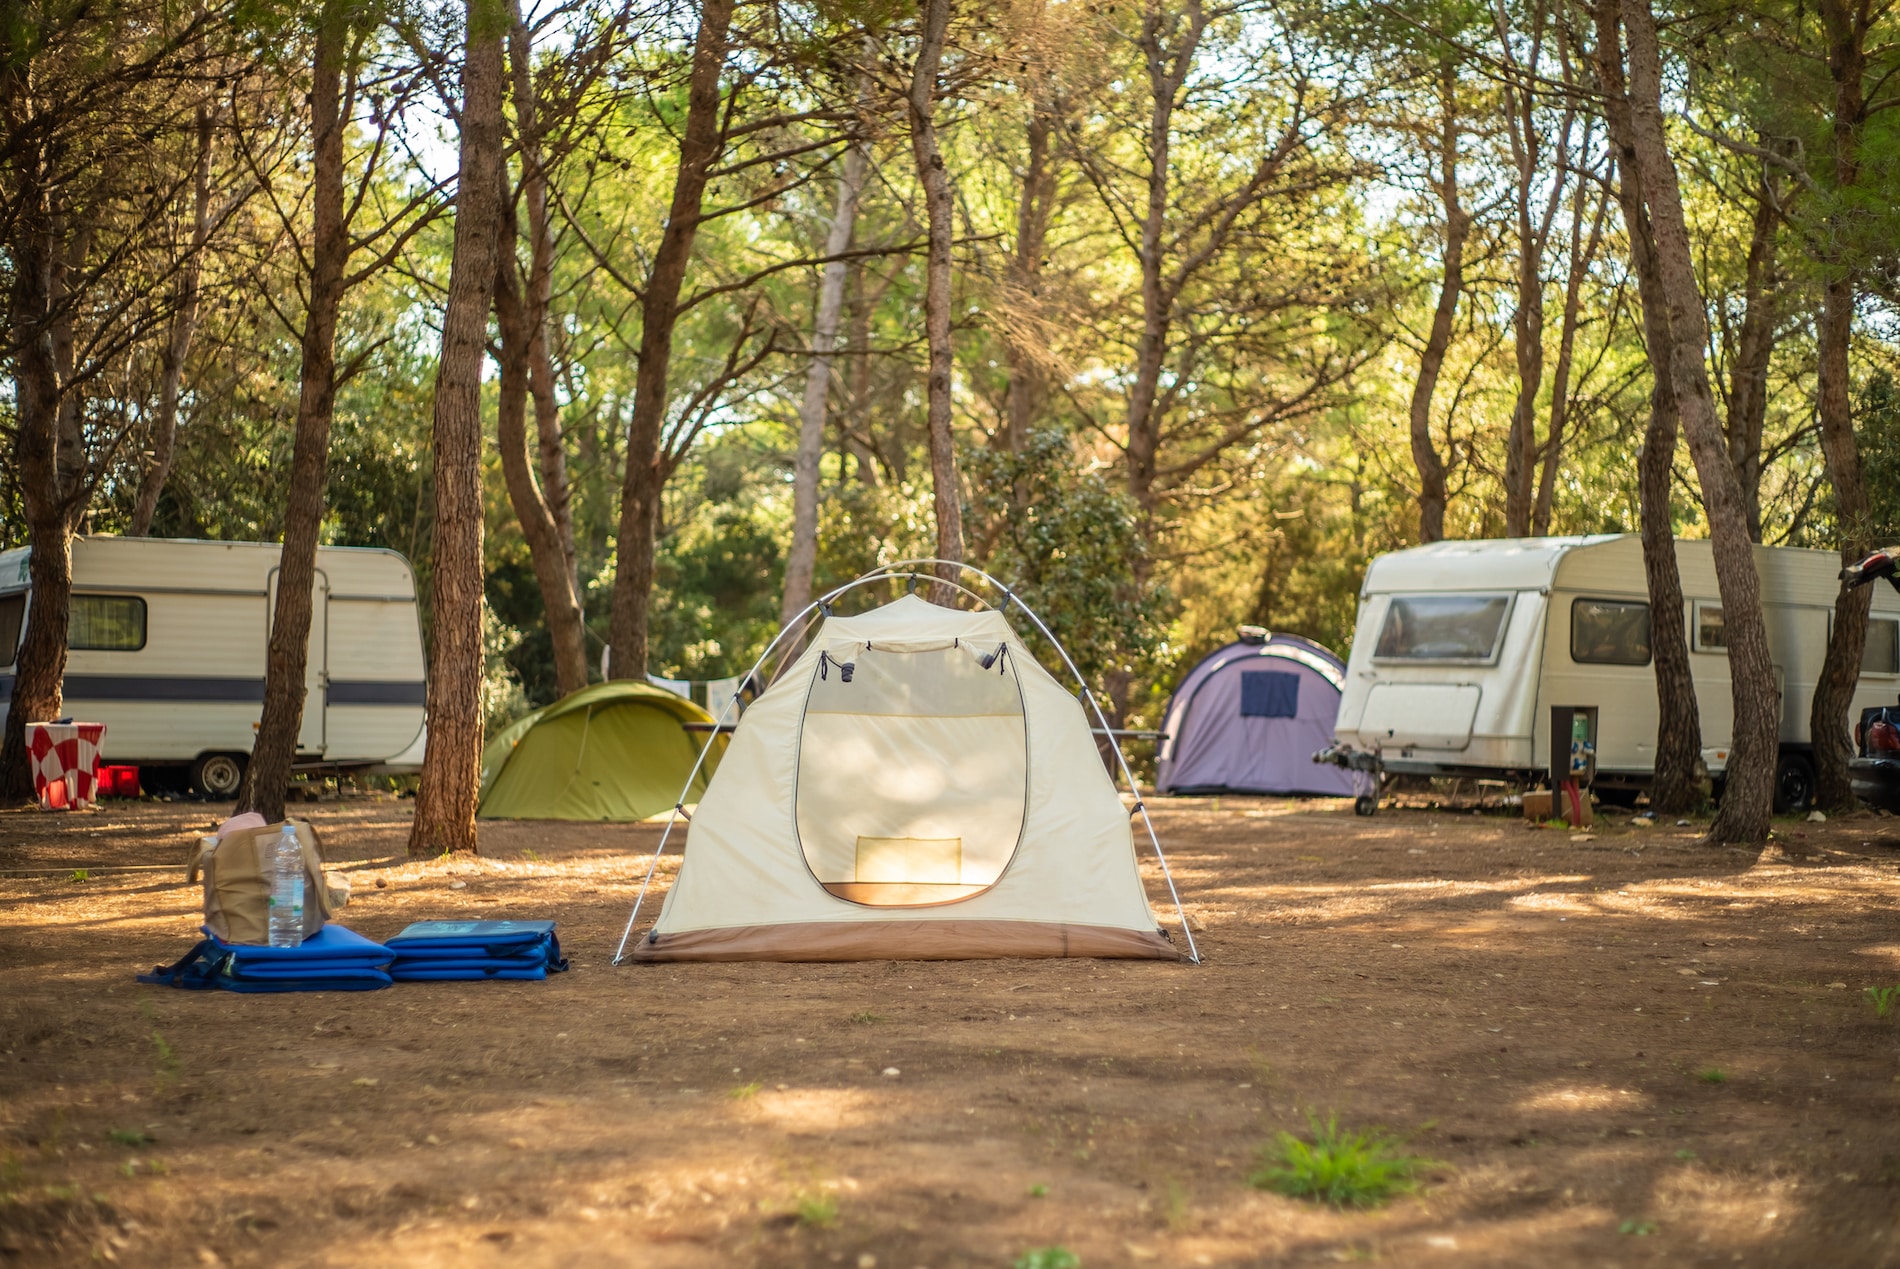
(904, 941)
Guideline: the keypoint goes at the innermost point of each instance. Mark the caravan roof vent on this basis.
(1255, 634)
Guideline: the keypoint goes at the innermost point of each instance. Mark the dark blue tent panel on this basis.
(1269, 694)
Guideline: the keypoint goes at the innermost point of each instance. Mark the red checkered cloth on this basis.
(65, 758)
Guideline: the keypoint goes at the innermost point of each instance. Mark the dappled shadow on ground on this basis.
(1625, 1033)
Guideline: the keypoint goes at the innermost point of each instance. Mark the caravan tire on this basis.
(1794, 784)
(217, 775)
(1365, 806)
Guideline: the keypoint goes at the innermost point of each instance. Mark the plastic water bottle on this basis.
(286, 890)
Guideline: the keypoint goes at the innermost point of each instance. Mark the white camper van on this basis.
(1462, 648)
(168, 642)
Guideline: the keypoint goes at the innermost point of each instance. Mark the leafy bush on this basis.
(1048, 1258)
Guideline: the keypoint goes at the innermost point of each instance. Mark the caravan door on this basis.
(316, 677)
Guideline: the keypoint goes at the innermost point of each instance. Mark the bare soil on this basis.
(1541, 1013)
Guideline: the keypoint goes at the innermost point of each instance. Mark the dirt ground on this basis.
(1540, 1012)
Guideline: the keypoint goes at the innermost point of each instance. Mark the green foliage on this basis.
(129, 1137)
(1072, 546)
(1882, 999)
(815, 1209)
(1048, 1258)
(79, 875)
(866, 1018)
(1338, 1167)
(744, 1092)
(1636, 1228)
(1712, 1075)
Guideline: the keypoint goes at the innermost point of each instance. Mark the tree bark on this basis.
(40, 664)
(1748, 382)
(1583, 250)
(1432, 494)
(935, 179)
(802, 558)
(532, 513)
(541, 507)
(451, 764)
(1028, 385)
(274, 752)
(645, 476)
(177, 341)
(1753, 747)
(1676, 784)
(1846, 22)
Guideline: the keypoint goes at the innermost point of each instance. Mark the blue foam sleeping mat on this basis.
(450, 951)
(333, 959)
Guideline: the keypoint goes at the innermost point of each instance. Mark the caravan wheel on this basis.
(1365, 806)
(1794, 784)
(217, 775)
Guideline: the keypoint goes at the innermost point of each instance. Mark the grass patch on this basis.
(815, 1211)
(1637, 1229)
(1712, 1075)
(866, 1018)
(1882, 999)
(1339, 1167)
(743, 1091)
(1039, 1190)
(1048, 1258)
(130, 1137)
(80, 874)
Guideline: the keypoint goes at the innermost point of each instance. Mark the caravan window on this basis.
(1711, 635)
(1609, 632)
(1879, 655)
(106, 623)
(1442, 628)
(12, 609)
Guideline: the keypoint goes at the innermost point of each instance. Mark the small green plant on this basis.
(815, 1210)
(1048, 1258)
(743, 1091)
(1174, 1205)
(1039, 1190)
(12, 1174)
(1712, 1075)
(1637, 1229)
(866, 1018)
(1338, 1167)
(531, 856)
(130, 1137)
(1685, 1154)
(79, 875)
(1883, 999)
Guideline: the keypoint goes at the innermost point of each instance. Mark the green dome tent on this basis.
(613, 751)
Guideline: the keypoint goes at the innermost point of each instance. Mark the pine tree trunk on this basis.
(1753, 748)
(538, 525)
(1828, 720)
(451, 765)
(935, 179)
(541, 506)
(645, 475)
(274, 752)
(1676, 786)
(1432, 494)
(802, 558)
(177, 342)
(1748, 384)
(1022, 344)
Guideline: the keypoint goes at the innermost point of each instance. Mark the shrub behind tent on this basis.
(614, 751)
(1250, 717)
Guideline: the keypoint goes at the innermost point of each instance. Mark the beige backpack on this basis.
(237, 876)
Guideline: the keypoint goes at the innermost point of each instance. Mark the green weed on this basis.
(1637, 1229)
(130, 1137)
(1712, 1075)
(1883, 999)
(743, 1091)
(1048, 1258)
(1038, 1190)
(12, 1174)
(815, 1210)
(531, 856)
(166, 1069)
(1338, 1167)
(1174, 1205)
(868, 1019)
(80, 874)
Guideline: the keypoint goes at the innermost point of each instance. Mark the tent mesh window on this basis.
(912, 773)
(1269, 694)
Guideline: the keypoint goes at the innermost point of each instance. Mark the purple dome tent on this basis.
(1250, 717)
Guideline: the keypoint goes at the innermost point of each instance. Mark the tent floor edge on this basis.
(905, 941)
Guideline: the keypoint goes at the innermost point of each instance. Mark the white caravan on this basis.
(168, 642)
(1461, 648)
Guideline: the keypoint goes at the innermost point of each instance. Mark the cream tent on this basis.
(915, 786)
